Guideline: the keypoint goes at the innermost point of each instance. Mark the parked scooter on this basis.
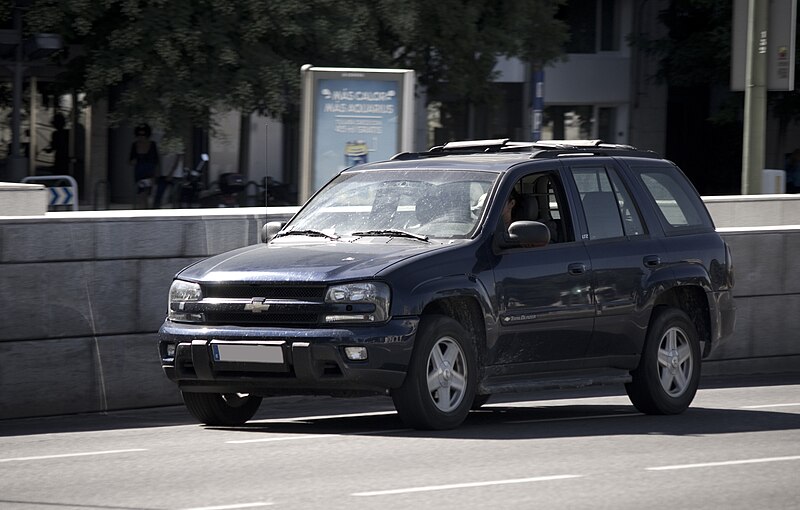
(230, 184)
(275, 192)
(192, 184)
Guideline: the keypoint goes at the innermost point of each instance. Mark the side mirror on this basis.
(269, 230)
(529, 234)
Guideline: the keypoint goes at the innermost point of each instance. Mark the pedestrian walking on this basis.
(145, 161)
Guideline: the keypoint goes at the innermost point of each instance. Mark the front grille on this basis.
(269, 291)
(273, 304)
(245, 318)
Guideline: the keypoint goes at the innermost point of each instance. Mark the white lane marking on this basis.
(464, 485)
(231, 507)
(323, 417)
(312, 436)
(795, 404)
(777, 388)
(282, 438)
(64, 455)
(724, 463)
(571, 418)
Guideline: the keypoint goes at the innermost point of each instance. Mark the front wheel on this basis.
(439, 388)
(221, 408)
(669, 371)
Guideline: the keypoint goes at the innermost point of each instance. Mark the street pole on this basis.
(537, 93)
(755, 97)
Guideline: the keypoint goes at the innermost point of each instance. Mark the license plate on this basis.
(247, 352)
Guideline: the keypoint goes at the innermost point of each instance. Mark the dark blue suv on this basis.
(441, 278)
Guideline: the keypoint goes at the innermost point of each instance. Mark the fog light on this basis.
(170, 350)
(356, 353)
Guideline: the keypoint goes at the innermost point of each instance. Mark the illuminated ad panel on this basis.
(351, 117)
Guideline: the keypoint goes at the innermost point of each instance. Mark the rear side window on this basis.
(608, 207)
(677, 202)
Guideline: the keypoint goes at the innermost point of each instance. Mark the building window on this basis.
(607, 124)
(581, 18)
(568, 122)
(609, 25)
(593, 25)
(580, 122)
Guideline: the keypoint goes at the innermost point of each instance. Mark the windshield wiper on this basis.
(393, 233)
(306, 232)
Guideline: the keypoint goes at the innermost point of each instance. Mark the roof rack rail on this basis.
(474, 145)
(540, 148)
(468, 147)
(569, 144)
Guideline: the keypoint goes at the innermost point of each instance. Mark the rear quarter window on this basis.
(679, 208)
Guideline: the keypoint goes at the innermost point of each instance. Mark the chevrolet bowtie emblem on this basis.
(257, 305)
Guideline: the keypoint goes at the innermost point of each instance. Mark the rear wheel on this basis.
(221, 408)
(439, 388)
(669, 371)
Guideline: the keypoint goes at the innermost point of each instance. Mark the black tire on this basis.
(479, 401)
(445, 352)
(668, 374)
(221, 409)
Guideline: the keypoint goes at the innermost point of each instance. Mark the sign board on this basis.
(780, 44)
(352, 116)
(61, 195)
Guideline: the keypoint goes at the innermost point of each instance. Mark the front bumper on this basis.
(313, 360)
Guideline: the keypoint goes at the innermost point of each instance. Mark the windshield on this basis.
(440, 203)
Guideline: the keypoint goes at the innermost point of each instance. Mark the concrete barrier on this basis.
(82, 296)
(22, 199)
(767, 295)
(754, 210)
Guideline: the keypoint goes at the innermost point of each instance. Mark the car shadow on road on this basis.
(504, 418)
(508, 422)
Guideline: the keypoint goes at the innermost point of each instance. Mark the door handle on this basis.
(652, 261)
(576, 268)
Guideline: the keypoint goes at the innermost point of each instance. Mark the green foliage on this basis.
(697, 49)
(5, 10)
(454, 44)
(171, 62)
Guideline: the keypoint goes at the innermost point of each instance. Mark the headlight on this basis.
(358, 302)
(180, 293)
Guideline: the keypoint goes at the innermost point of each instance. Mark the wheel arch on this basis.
(467, 311)
(692, 300)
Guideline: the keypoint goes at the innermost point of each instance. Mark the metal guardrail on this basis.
(59, 195)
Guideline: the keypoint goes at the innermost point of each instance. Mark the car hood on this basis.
(313, 261)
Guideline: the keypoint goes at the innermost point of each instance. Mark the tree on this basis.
(454, 44)
(171, 62)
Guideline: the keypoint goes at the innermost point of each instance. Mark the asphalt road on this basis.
(737, 447)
